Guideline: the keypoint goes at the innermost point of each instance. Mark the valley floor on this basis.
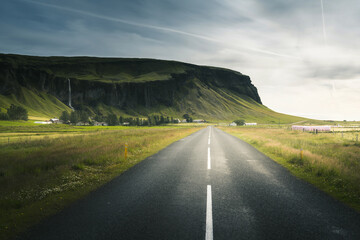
(209, 185)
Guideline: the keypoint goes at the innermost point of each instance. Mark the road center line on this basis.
(209, 159)
(209, 141)
(209, 220)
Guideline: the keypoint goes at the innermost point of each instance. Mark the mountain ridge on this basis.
(136, 86)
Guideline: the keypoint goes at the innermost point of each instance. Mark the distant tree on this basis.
(156, 120)
(121, 120)
(74, 117)
(240, 122)
(65, 116)
(99, 118)
(186, 116)
(84, 116)
(4, 116)
(112, 120)
(190, 119)
(162, 119)
(17, 113)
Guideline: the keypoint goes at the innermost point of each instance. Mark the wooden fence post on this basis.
(126, 150)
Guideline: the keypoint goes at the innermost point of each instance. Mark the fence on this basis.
(312, 128)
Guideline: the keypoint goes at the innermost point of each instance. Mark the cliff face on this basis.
(122, 83)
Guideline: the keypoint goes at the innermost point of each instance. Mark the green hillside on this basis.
(40, 105)
(131, 87)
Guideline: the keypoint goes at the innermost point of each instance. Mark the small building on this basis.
(100, 123)
(233, 124)
(199, 121)
(250, 124)
(126, 124)
(176, 120)
(184, 121)
(54, 120)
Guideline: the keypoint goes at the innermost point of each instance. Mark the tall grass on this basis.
(39, 177)
(330, 161)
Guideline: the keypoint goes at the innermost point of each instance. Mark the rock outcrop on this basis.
(121, 83)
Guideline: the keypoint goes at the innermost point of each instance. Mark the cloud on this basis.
(278, 43)
(159, 28)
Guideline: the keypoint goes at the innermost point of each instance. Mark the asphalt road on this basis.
(209, 185)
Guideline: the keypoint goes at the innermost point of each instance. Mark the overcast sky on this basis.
(303, 58)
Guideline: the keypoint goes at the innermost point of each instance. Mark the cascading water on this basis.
(70, 95)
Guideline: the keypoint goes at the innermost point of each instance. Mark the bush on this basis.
(65, 116)
(99, 118)
(112, 120)
(74, 117)
(187, 117)
(240, 122)
(17, 113)
(4, 116)
(84, 116)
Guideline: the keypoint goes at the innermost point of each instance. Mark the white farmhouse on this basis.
(54, 120)
(250, 124)
(199, 121)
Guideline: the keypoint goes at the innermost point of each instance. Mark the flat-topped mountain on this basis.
(136, 87)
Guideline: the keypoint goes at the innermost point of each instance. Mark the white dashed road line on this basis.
(209, 220)
(209, 159)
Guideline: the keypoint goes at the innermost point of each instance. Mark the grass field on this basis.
(45, 168)
(331, 161)
(40, 105)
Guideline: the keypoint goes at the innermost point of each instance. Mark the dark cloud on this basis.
(278, 43)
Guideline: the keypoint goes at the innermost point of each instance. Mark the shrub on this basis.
(240, 122)
(65, 116)
(4, 116)
(112, 120)
(17, 113)
(74, 117)
(84, 116)
(78, 167)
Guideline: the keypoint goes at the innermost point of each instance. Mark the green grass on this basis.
(40, 176)
(331, 161)
(225, 105)
(25, 131)
(107, 70)
(40, 105)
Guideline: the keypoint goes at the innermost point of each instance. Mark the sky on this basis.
(303, 56)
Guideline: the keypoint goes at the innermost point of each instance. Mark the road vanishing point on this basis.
(209, 185)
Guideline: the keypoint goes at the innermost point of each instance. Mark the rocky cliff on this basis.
(137, 85)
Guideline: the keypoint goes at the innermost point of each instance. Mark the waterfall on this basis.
(70, 96)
